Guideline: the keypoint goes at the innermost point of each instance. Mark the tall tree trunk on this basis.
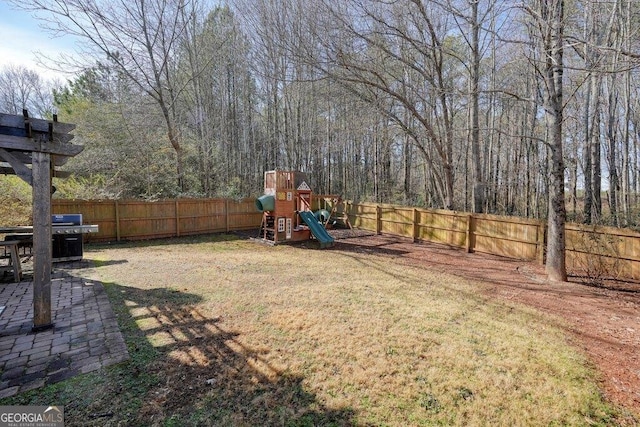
(596, 158)
(613, 155)
(588, 166)
(408, 158)
(175, 143)
(626, 172)
(479, 189)
(551, 23)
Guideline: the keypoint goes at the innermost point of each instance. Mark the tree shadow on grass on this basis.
(204, 374)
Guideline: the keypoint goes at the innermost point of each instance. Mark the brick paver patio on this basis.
(85, 336)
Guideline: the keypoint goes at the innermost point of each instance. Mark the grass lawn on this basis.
(223, 331)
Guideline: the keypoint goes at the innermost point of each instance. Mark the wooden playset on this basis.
(286, 207)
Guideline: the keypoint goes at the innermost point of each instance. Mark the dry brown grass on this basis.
(247, 334)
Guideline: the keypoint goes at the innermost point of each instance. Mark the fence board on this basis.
(446, 227)
(506, 236)
(363, 216)
(143, 220)
(139, 220)
(397, 221)
(202, 216)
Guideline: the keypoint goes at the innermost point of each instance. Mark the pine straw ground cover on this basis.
(224, 331)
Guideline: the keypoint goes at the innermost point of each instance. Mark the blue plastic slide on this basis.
(317, 229)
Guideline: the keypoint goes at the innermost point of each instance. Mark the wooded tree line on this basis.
(436, 103)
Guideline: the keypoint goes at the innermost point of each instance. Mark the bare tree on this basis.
(22, 88)
(216, 107)
(140, 37)
(548, 18)
(394, 57)
(471, 17)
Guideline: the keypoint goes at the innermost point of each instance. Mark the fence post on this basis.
(378, 219)
(350, 214)
(117, 221)
(469, 233)
(415, 225)
(177, 218)
(226, 214)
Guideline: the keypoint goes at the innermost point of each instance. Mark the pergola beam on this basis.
(39, 145)
(4, 170)
(38, 125)
(25, 157)
(63, 138)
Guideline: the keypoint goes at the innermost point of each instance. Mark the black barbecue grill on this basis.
(67, 231)
(66, 237)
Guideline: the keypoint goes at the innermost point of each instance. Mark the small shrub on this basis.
(599, 259)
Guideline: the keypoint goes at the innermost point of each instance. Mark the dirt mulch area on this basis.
(603, 321)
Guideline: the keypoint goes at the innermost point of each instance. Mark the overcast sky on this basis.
(21, 36)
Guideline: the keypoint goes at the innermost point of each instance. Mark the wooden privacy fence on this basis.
(138, 220)
(593, 251)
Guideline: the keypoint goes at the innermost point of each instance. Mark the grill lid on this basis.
(66, 219)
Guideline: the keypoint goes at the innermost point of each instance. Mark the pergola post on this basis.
(43, 144)
(42, 251)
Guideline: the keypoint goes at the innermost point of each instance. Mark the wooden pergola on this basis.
(32, 149)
